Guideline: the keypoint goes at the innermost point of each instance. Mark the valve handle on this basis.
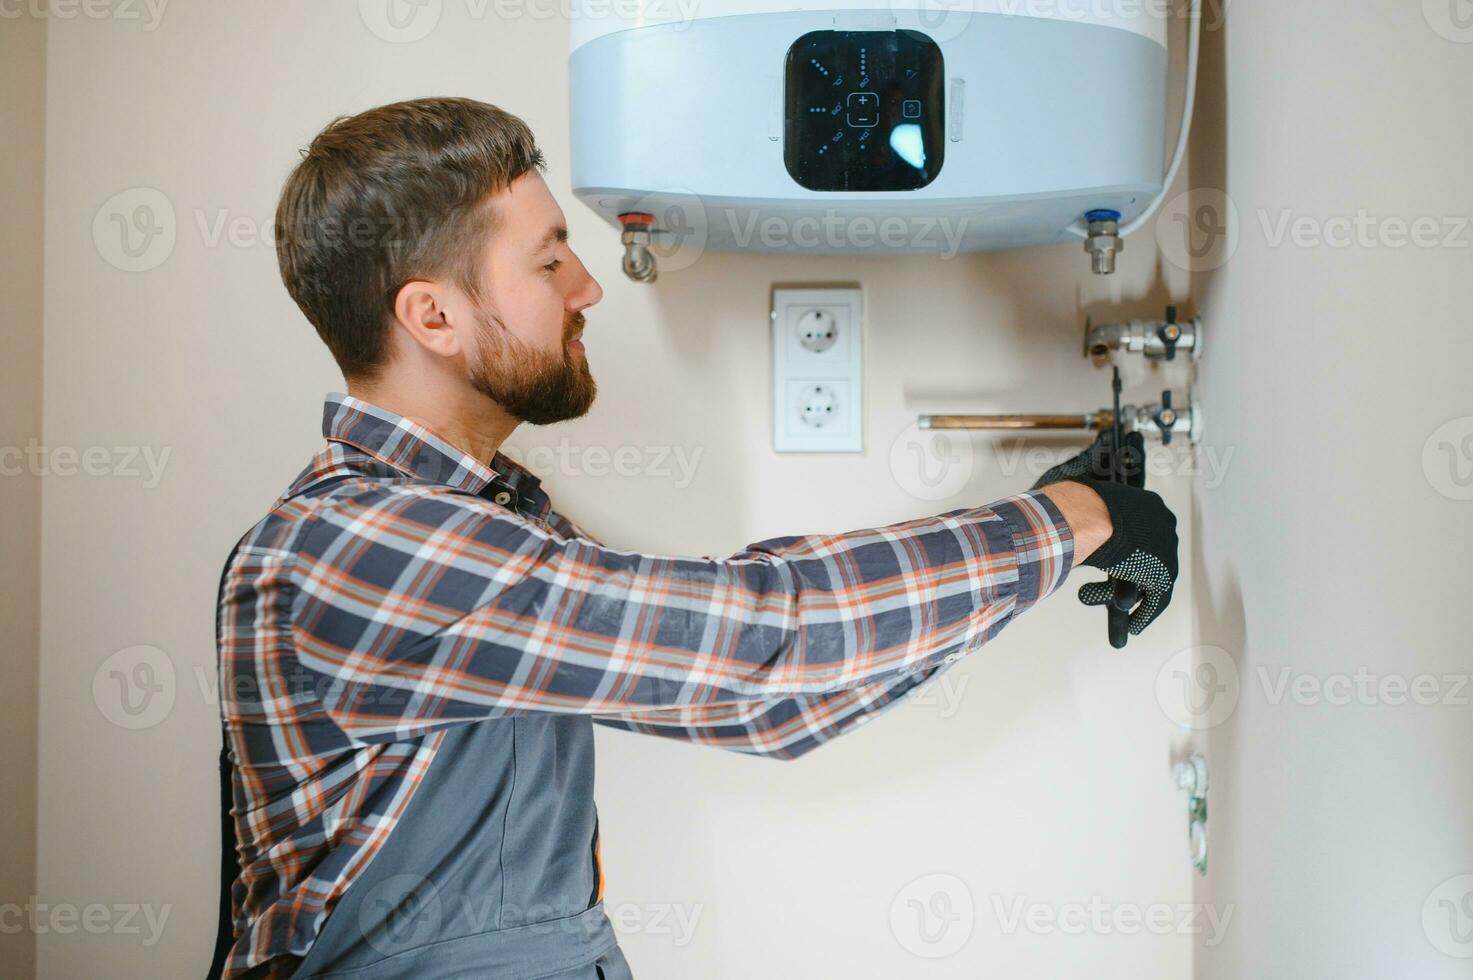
(1117, 618)
(1165, 418)
(1125, 594)
(1169, 333)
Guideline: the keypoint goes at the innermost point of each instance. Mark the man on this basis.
(414, 644)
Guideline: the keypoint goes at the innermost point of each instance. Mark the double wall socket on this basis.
(818, 370)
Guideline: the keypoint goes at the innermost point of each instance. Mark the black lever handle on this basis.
(1165, 418)
(1169, 333)
(1127, 594)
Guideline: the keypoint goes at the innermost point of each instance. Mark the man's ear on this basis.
(422, 308)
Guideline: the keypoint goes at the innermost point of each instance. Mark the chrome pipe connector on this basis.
(639, 261)
(1103, 241)
(1159, 340)
(1157, 420)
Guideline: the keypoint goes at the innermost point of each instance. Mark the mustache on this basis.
(573, 325)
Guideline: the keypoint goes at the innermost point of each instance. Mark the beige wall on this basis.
(22, 120)
(1047, 783)
(1342, 821)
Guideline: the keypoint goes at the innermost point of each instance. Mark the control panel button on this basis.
(885, 89)
(864, 109)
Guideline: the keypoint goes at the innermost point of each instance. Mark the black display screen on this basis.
(863, 111)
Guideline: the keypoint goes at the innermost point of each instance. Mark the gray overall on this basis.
(491, 871)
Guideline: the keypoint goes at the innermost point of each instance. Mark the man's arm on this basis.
(424, 608)
(1081, 508)
(782, 728)
(790, 727)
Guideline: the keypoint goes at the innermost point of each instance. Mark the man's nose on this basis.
(589, 292)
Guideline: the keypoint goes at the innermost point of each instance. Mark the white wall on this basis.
(1047, 783)
(1338, 545)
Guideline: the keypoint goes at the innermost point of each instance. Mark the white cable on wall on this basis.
(1194, 45)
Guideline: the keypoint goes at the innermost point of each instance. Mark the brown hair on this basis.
(392, 194)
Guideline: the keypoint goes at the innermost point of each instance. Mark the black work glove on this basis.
(1096, 461)
(1143, 548)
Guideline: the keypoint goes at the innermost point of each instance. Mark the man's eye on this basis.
(552, 266)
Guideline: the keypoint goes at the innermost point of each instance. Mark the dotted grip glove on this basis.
(1101, 459)
(1143, 548)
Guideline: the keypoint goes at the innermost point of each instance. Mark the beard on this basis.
(531, 384)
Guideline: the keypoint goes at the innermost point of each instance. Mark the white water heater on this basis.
(866, 126)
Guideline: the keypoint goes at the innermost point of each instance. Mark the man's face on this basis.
(527, 355)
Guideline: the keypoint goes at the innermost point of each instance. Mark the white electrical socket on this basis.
(818, 370)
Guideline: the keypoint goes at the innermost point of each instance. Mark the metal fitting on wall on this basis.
(1163, 420)
(1156, 339)
(639, 262)
(1103, 240)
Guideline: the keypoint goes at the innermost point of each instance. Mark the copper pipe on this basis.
(1091, 421)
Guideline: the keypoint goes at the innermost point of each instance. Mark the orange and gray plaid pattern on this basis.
(401, 586)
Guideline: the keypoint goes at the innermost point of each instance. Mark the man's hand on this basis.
(1097, 462)
(1085, 512)
(1141, 550)
(1140, 545)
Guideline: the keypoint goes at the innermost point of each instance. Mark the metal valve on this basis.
(1157, 340)
(1169, 333)
(639, 261)
(1165, 418)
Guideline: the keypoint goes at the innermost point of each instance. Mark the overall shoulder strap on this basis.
(229, 860)
(229, 863)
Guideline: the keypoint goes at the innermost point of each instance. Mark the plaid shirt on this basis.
(401, 586)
